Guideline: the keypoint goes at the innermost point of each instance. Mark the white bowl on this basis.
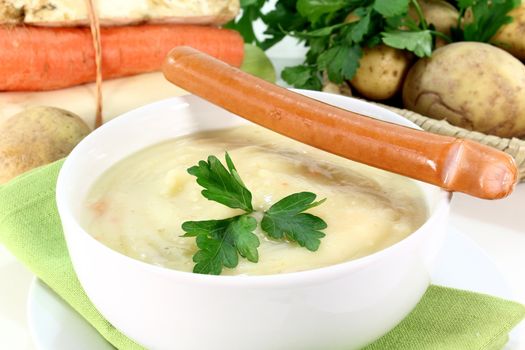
(343, 306)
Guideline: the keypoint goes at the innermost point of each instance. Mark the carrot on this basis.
(449, 162)
(34, 58)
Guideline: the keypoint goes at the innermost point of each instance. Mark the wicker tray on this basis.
(515, 147)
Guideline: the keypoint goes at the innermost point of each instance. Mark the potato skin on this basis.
(476, 86)
(439, 13)
(511, 37)
(37, 136)
(381, 72)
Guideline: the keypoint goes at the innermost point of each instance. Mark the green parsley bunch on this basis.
(335, 43)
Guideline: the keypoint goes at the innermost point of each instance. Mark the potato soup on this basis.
(138, 205)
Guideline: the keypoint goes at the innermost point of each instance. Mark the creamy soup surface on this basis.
(137, 206)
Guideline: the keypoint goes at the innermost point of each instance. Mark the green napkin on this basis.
(30, 228)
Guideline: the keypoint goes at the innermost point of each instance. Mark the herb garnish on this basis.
(220, 242)
(286, 219)
(220, 185)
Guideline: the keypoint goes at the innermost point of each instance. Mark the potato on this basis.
(37, 136)
(473, 85)
(511, 37)
(439, 13)
(381, 72)
(341, 89)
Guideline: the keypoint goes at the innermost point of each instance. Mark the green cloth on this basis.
(30, 228)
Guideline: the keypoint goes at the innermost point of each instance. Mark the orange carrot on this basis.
(34, 58)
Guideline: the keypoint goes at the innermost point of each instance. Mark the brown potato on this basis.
(341, 89)
(439, 13)
(511, 37)
(473, 85)
(381, 72)
(37, 136)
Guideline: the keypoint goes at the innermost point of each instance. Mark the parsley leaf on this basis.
(391, 8)
(360, 28)
(220, 242)
(221, 185)
(212, 228)
(215, 247)
(314, 9)
(286, 219)
(302, 77)
(419, 42)
(243, 237)
(463, 4)
(340, 62)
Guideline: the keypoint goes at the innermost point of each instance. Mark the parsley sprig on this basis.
(221, 185)
(220, 242)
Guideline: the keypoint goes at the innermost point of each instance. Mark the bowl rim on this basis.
(286, 278)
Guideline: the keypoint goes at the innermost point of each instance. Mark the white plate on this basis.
(55, 326)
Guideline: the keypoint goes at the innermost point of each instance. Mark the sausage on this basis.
(451, 163)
